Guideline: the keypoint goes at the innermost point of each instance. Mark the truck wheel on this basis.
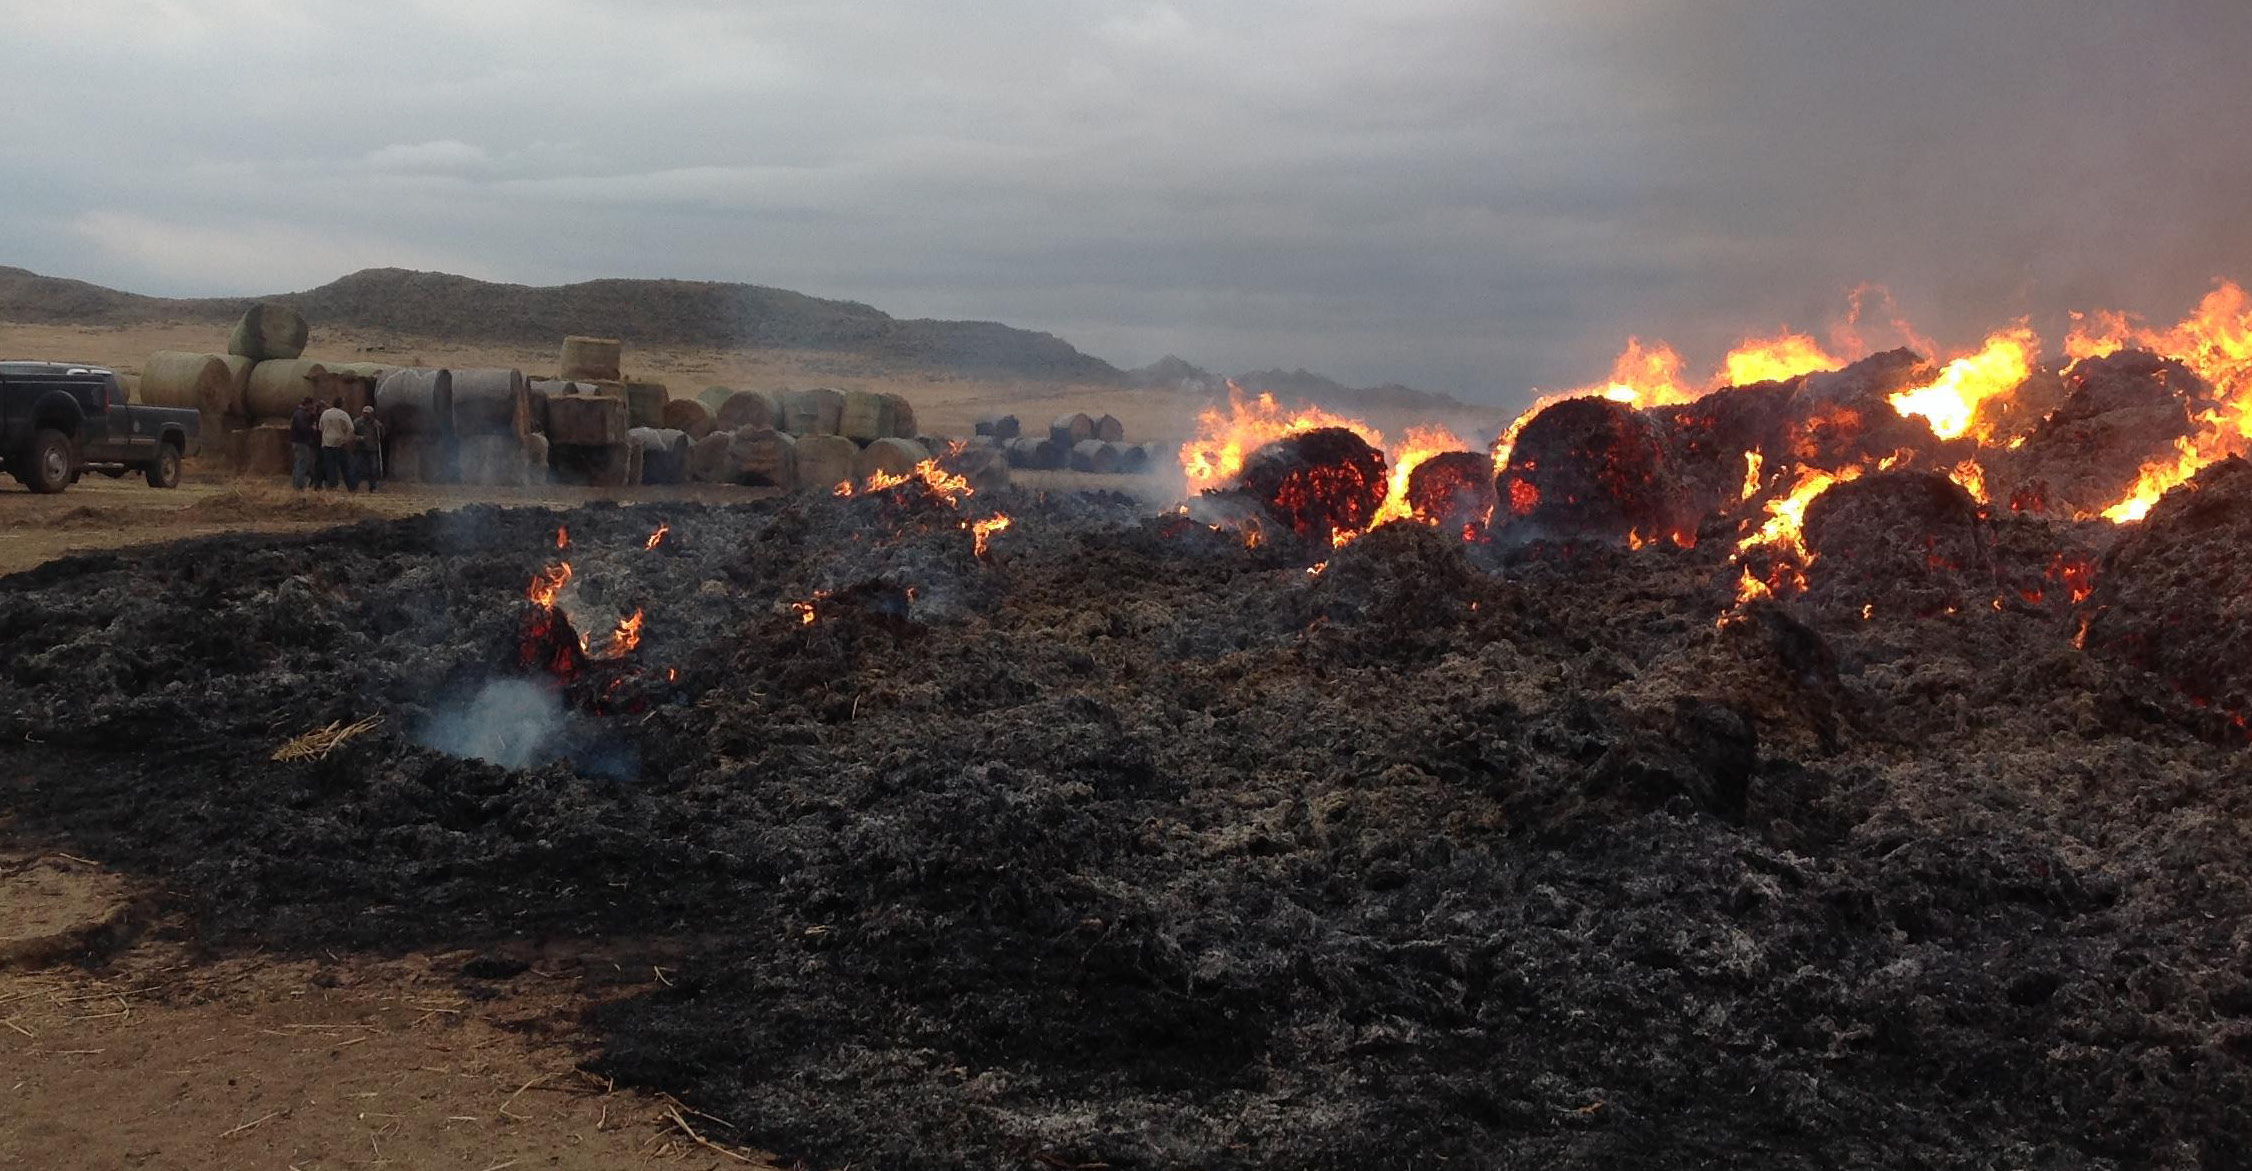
(165, 472)
(47, 468)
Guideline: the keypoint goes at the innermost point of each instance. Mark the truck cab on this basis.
(59, 418)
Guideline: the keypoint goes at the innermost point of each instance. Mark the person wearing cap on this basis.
(336, 446)
(367, 448)
(304, 443)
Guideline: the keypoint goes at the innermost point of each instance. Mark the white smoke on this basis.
(514, 723)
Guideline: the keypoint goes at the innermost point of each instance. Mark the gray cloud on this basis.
(1474, 197)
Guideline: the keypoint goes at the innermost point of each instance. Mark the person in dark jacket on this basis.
(304, 443)
(367, 448)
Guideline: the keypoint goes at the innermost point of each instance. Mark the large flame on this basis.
(1227, 437)
(2216, 341)
(1949, 405)
(1776, 359)
(1420, 445)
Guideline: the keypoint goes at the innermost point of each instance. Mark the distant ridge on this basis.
(714, 314)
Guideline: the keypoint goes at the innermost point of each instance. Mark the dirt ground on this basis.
(121, 1047)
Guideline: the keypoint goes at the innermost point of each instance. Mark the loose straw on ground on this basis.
(318, 743)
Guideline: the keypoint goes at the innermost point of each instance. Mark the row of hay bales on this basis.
(1087, 455)
(858, 415)
(757, 455)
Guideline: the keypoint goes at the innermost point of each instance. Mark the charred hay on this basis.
(1130, 844)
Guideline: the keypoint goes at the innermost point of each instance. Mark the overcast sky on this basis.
(1476, 196)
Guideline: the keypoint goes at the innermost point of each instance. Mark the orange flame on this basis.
(658, 536)
(982, 532)
(547, 583)
(562, 537)
(623, 638)
(1420, 445)
(1949, 405)
(1776, 359)
(2216, 341)
(1225, 438)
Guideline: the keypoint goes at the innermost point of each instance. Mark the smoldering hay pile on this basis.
(991, 828)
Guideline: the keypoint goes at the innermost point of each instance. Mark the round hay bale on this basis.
(1318, 482)
(1110, 430)
(591, 358)
(1028, 453)
(201, 382)
(416, 401)
(746, 408)
(1069, 431)
(1591, 467)
(818, 411)
(760, 457)
(707, 458)
(268, 333)
(891, 456)
(275, 388)
(1093, 455)
(865, 417)
(1004, 427)
(645, 403)
(986, 468)
(1453, 490)
(421, 459)
(825, 461)
(491, 402)
(714, 397)
(690, 416)
(902, 417)
(1134, 459)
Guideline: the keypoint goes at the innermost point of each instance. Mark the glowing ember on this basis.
(562, 537)
(657, 537)
(1326, 484)
(1950, 404)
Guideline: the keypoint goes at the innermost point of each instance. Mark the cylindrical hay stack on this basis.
(760, 457)
(275, 388)
(492, 402)
(893, 457)
(586, 420)
(1069, 431)
(902, 417)
(1093, 455)
(707, 458)
(593, 359)
(714, 397)
(645, 404)
(865, 417)
(811, 412)
(986, 468)
(689, 416)
(746, 408)
(825, 461)
(1134, 459)
(1110, 430)
(265, 451)
(416, 401)
(1002, 427)
(664, 454)
(268, 333)
(374, 372)
(1031, 454)
(203, 382)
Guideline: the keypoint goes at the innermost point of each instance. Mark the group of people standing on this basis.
(331, 447)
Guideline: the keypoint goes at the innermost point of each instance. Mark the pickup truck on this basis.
(58, 419)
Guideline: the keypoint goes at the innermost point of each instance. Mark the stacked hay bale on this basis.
(818, 411)
(591, 359)
(269, 333)
(645, 403)
(213, 385)
(664, 454)
(587, 438)
(1001, 427)
(416, 408)
(1069, 431)
(1094, 455)
(864, 417)
(270, 395)
(689, 416)
(759, 457)
(1109, 429)
(825, 461)
(746, 408)
(492, 417)
(889, 456)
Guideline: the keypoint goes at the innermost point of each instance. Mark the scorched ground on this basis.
(1134, 844)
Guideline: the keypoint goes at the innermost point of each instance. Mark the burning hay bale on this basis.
(1453, 491)
(2120, 413)
(2174, 598)
(1900, 544)
(1845, 418)
(984, 469)
(888, 457)
(1590, 467)
(591, 359)
(268, 333)
(1318, 483)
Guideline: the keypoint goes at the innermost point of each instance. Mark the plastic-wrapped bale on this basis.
(265, 451)
(1069, 431)
(664, 454)
(201, 382)
(416, 401)
(865, 417)
(275, 388)
(269, 333)
(1002, 427)
(1110, 430)
(825, 461)
(1093, 455)
(818, 411)
(592, 359)
(586, 420)
(493, 458)
(645, 404)
(903, 417)
(491, 402)
(760, 457)
(891, 457)
(689, 416)
(747, 408)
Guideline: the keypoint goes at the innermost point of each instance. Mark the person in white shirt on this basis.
(336, 447)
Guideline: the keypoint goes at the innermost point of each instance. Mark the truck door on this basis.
(103, 437)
